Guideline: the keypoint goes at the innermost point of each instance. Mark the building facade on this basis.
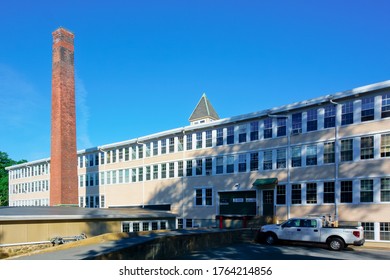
(328, 155)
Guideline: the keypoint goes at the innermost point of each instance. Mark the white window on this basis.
(242, 133)
(204, 197)
(312, 118)
(367, 112)
(267, 160)
(311, 155)
(242, 163)
(135, 226)
(281, 158)
(347, 113)
(386, 105)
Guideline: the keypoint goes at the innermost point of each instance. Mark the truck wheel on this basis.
(271, 239)
(336, 244)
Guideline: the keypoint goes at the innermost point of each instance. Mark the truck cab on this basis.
(300, 230)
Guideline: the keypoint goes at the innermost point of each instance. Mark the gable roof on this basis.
(203, 110)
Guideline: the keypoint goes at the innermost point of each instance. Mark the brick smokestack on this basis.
(63, 163)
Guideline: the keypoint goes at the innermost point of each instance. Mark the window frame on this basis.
(199, 140)
(209, 138)
(219, 165)
(199, 167)
(219, 138)
(230, 135)
(346, 191)
(368, 109)
(254, 131)
(281, 127)
(296, 161)
(311, 193)
(385, 145)
(366, 191)
(230, 163)
(296, 194)
(171, 171)
(385, 108)
(281, 194)
(242, 133)
(330, 116)
(329, 152)
(347, 113)
(209, 166)
(369, 230)
(189, 142)
(312, 157)
(268, 123)
(189, 167)
(242, 163)
(312, 120)
(203, 197)
(385, 190)
(281, 158)
(367, 147)
(329, 192)
(384, 231)
(254, 161)
(296, 123)
(346, 150)
(267, 160)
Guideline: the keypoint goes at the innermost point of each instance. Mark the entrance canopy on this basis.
(265, 183)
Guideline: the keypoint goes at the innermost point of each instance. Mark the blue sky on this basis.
(142, 66)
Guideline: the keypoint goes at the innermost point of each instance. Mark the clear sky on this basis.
(142, 66)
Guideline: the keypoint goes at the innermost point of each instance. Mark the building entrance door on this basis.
(268, 202)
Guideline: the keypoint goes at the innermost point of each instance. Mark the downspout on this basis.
(105, 182)
(182, 179)
(336, 165)
(143, 169)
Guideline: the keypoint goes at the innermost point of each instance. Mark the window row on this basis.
(30, 171)
(136, 226)
(376, 231)
(30, 187)
(360, 148)
(30, 202)
(270, 127)
(356, 191)
(92, 201)
(186, 223)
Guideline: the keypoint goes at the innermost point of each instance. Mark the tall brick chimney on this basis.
(63, 163)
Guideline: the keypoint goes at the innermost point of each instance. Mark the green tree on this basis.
(4, 162)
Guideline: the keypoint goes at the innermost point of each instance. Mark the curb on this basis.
(374, 245)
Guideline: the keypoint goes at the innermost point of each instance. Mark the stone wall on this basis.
(10, 251)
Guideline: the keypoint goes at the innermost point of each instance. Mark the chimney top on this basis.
(62, 34)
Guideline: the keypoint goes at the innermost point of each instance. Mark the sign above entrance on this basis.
(265, 183)
(239, 203)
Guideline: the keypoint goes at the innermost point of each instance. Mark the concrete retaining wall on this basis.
(168, 247)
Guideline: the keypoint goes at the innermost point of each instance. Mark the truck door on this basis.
(288, 229)
(308, 230)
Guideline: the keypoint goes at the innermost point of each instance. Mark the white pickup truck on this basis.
(313, 230)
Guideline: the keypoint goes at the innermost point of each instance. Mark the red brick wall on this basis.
(63, 163)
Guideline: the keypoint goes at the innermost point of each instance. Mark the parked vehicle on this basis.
(313, 230)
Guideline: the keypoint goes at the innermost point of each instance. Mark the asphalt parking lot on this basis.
(288, 251)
